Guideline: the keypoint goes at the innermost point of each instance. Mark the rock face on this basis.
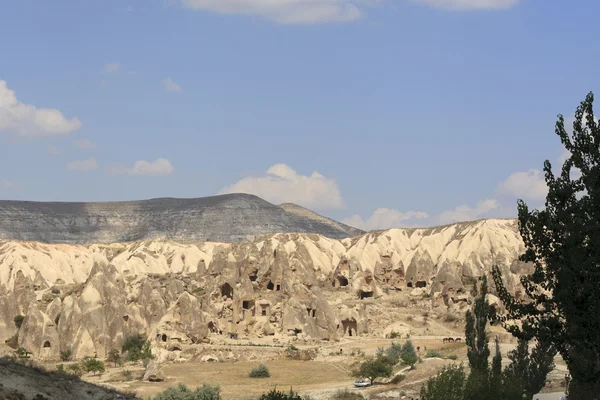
(226, 218)
(287, 287)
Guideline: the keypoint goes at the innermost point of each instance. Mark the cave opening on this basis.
(421, 284)
(46, 344)
(350, 327)
(270, 286)
(164, 337)
(342, 281)
(277, 287)
(247, 304)
(409, 284)
(365, 295)
(227, 290)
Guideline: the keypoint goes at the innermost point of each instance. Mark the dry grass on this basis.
(236, 384)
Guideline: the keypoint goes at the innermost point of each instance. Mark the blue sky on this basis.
(378, 112)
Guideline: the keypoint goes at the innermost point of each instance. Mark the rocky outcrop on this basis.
(226, 218)
(288, 287)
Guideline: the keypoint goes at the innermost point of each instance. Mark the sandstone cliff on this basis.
(287, 286)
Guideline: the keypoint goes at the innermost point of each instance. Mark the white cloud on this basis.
(171, 86)
(6, 185)
(83, 165)
(470, 4)
(528, 185)
(286, 11)
(112, 67)
(84, 144)
(26, 120)
(53, 151)
(158, 167)
(466, 213)
(281, 184)
(384, 218)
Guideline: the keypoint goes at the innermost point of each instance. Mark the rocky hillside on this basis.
(226, 218)
(287, 286)
(21, 382)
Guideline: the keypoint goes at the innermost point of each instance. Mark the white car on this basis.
(362, 383)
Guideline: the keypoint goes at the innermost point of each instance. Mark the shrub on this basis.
(75, 369)
(19, 321)
(345, 394)
(291, 347)
(433, 354)
(450, 318)
(447, 385)
(410, 318)
(60, 368)
(137, 348)
(452, 357)
(394, 335)
(397, 379)
(127, 374)
(182, 392)
(65, 355)
(260, 372)
(274, 394)
(22, 352)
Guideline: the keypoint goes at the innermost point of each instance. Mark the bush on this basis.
(19, 321)
(397, 379)
(65, 355)
(75, 369)
(433, 354)
(182, 392)
(394, 335)
(450, 318)
(137, 348)
(22, 352)
(274, 394)
(127, 374)
(345, 394)
(448, 385)
(452, 357)
(260, 372)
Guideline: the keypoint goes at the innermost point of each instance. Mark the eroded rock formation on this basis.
(287, 286)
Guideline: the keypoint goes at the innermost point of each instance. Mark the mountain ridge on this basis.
(222, 218)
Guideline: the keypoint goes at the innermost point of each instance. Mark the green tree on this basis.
(93, 365)
(476, 337)
(182, 392)
(528, 372)
(114, 356)
(373, 368)
(18, 320)
(408, 354)
(394, 352)
(561, 241)
(449, 384)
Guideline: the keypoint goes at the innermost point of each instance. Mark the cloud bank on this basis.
(281, 184)
(158, 167)
(27, 120)
(285, 11)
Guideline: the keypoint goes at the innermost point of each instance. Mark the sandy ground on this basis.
(318, 378)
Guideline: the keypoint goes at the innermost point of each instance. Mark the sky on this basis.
(378, 113)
